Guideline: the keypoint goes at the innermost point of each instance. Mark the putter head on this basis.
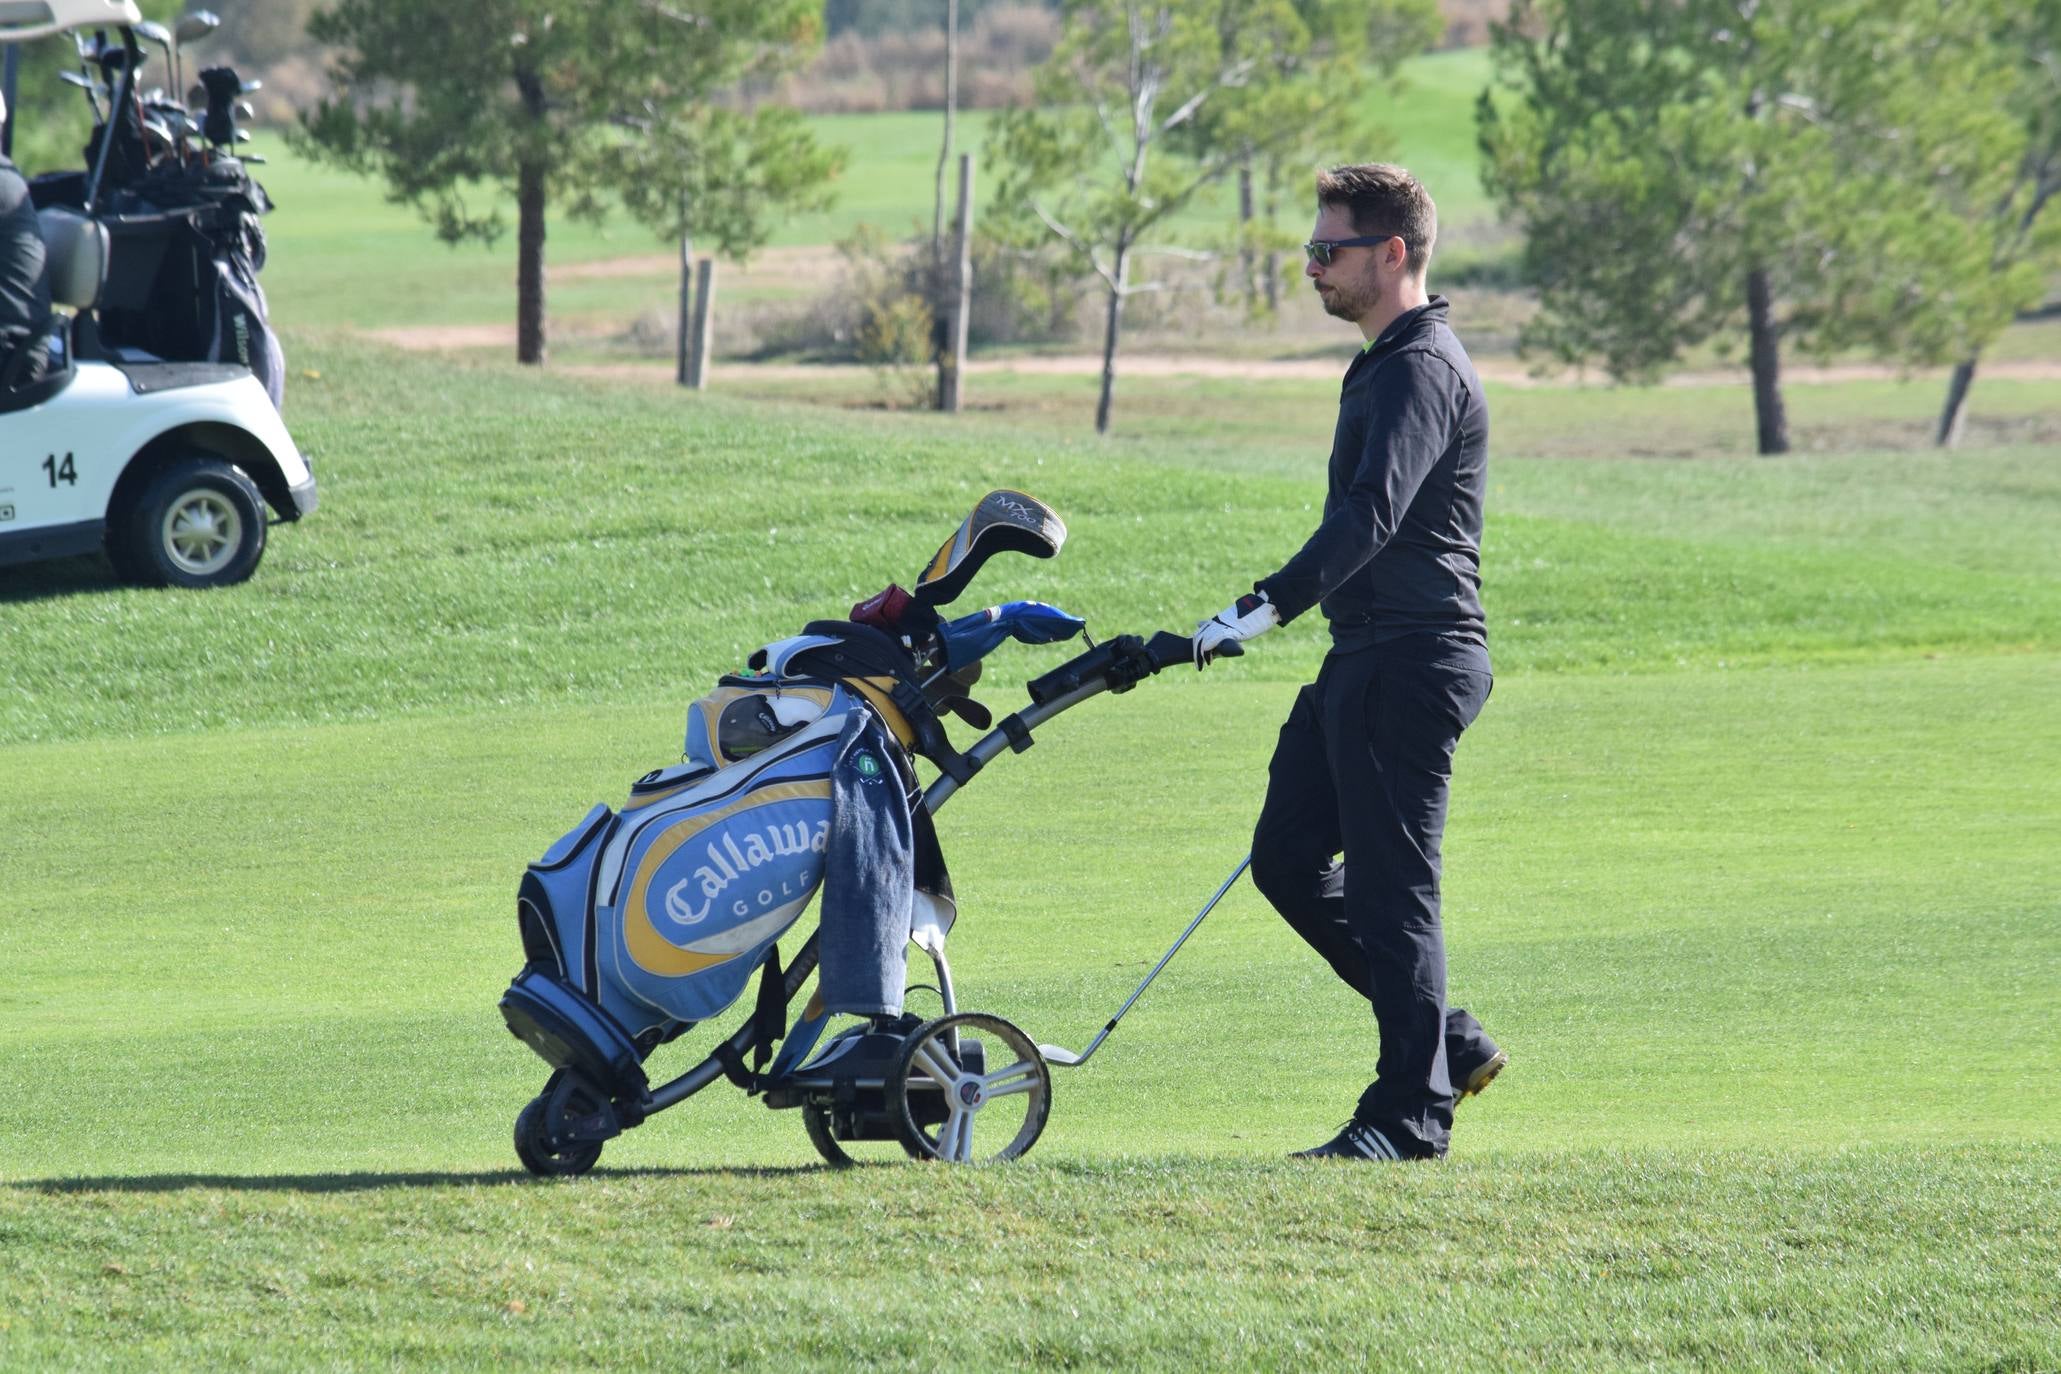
(1060, 1057)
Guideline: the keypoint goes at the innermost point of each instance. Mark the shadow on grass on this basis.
(374, 1182)
(86, 572)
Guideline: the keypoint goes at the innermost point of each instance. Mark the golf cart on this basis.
(153, 429)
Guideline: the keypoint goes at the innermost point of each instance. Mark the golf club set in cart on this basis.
(152, 427)
(798, 781)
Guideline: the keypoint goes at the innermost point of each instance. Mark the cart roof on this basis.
(22, 20)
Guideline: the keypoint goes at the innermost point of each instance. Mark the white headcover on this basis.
(773, 659)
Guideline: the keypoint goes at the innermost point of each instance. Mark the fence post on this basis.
(704, 292)
(950, 390)
(683, 348)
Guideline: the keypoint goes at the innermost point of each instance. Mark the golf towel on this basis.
(871, 870)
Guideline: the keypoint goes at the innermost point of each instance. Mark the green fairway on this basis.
(1750, 866)
(356, 259)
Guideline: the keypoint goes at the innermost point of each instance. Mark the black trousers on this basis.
(1362, 768)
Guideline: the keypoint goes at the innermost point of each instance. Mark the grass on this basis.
(484, 548)
(1750, 866)
(1879, 1260)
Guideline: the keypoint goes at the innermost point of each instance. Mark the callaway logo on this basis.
(728, 864)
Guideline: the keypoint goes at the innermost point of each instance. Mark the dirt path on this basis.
(1501, 369)
(807, 265)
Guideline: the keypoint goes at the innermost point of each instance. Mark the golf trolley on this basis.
(146, 421)
(641, 924)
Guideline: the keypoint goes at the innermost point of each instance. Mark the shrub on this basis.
(894, 329)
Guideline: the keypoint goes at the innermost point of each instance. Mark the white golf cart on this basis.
(174, 467)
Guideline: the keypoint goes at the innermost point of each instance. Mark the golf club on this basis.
(1065, 1058)
(86, 84)
(158, 34)
(190, 28)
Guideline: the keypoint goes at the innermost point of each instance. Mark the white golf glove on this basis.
(1246, 618)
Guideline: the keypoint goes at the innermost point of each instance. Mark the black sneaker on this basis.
(1469, 1081)
(1358, 1141)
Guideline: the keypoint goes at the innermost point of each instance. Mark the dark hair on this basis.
(1384, 199)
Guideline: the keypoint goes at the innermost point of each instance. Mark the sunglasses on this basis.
(1319, 251)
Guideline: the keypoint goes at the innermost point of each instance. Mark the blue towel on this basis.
(869, 877)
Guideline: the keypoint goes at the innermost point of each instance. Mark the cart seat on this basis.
(76, 249)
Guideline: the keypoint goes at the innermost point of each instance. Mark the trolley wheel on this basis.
(533, 1133)
(987, 1116)
(817, 1121)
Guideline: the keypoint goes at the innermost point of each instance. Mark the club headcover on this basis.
(972, 637)
(896, 612)
(1004, 521)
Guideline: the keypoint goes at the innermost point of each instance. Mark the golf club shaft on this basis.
(1166, 958)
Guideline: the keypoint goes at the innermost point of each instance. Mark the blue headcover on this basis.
(971, 638)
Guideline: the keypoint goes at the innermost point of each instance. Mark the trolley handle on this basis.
(1119, 664)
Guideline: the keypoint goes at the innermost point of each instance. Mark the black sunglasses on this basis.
(1319, 251)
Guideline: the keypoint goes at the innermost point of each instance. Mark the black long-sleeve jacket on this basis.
(1399, 550)
(24, 282)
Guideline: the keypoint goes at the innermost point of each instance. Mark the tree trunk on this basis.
(1245, 254)
(1109, 336)
(944, 153)
(529, 228)
(1764, 343)
(939, 281)
(1953, 416)
(529, 262)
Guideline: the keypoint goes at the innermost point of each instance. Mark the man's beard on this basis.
(1346, 300)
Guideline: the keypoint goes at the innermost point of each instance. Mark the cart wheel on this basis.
(198, 522)
(817, 1121)
(987, 1116)
(533, 1134)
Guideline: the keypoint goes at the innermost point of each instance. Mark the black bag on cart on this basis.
(184, 256)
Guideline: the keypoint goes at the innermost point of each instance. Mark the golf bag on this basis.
(185, 249)
(637, 924)
(190, 292)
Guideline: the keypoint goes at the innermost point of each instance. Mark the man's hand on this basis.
(1243, 619)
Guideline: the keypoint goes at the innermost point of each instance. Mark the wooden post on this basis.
(950, 392)
(1245, 254)
(682, 349)
(704, 292)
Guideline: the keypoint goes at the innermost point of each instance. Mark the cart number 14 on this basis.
(61, 471)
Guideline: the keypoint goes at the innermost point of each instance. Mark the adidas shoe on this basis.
(1480, 1076)
(1356, 1140)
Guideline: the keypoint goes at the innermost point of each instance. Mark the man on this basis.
(24, 284)
(1364, 758)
